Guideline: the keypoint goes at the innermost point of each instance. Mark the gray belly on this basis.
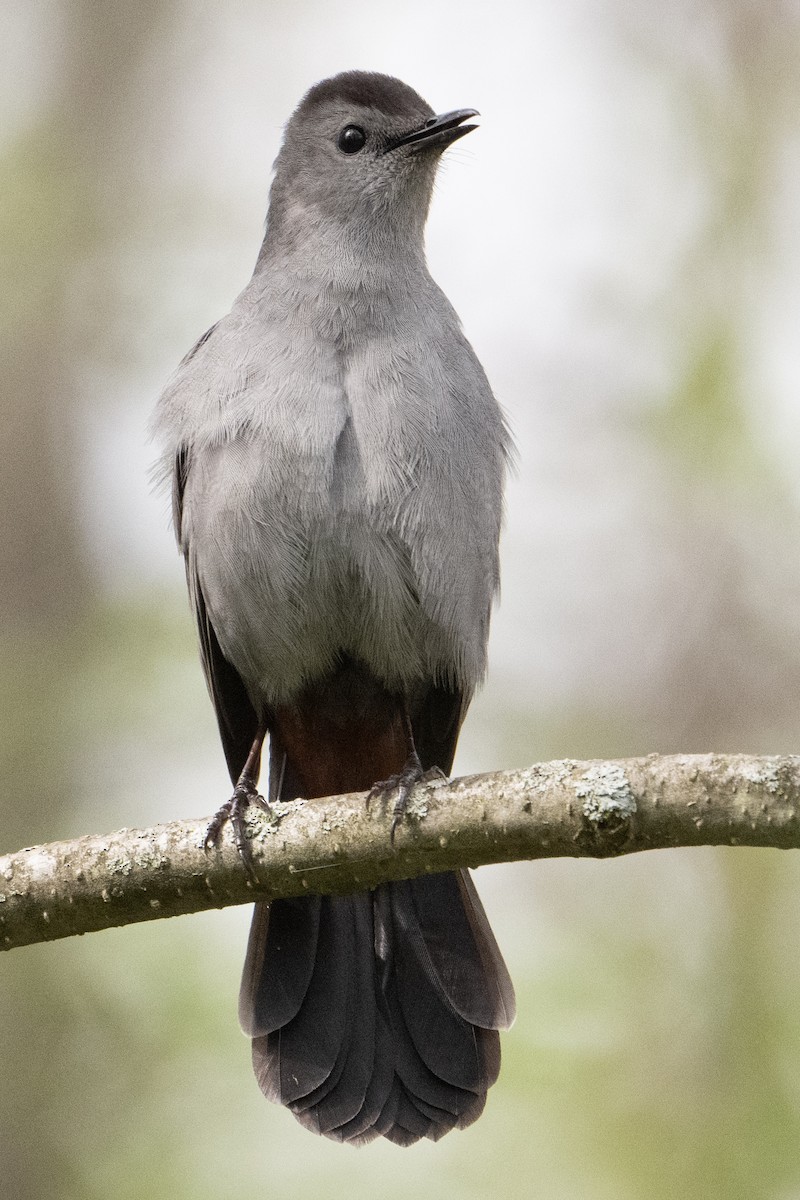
(298, 570)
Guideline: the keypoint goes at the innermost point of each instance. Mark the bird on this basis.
(337, 463)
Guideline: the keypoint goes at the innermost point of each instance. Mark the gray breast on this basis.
(343, 500)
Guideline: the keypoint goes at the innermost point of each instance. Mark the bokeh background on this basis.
(621, 239)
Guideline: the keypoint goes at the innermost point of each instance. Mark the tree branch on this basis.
(565, 808)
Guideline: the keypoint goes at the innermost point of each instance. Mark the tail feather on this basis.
(375, 1015)
(456, 949)
(447, 1044)
(341, 1098)
(298, 1057)
(281, 954)
(385, 1040)
(504, 1007)
(422, 1084)
(366, 1124)
(409, 1124)
(415, 1074)
(385, 1123)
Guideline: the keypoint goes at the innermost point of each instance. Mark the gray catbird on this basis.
(337, 461)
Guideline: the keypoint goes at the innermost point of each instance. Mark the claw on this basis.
(402, 783)
(234, 810)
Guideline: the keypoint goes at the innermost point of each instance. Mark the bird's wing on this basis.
(236, 717)
(436, 720)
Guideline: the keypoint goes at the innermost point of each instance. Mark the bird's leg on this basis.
(244, 793)
(402, 783)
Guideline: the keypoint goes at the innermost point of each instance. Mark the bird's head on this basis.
(360, 154)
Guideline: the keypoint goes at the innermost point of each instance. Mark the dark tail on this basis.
(377, 1014)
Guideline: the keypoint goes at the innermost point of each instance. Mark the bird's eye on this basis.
(351, 139)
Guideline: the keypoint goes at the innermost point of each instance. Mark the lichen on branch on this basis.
(336, 845)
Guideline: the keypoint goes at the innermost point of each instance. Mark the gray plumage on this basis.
(337, 459)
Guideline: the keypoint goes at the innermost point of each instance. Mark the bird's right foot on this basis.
(244, 794)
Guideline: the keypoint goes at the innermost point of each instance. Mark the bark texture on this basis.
(336, 845)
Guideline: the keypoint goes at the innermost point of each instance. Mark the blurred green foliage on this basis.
(657, 1050)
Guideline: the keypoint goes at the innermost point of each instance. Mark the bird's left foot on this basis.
(401, 783)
